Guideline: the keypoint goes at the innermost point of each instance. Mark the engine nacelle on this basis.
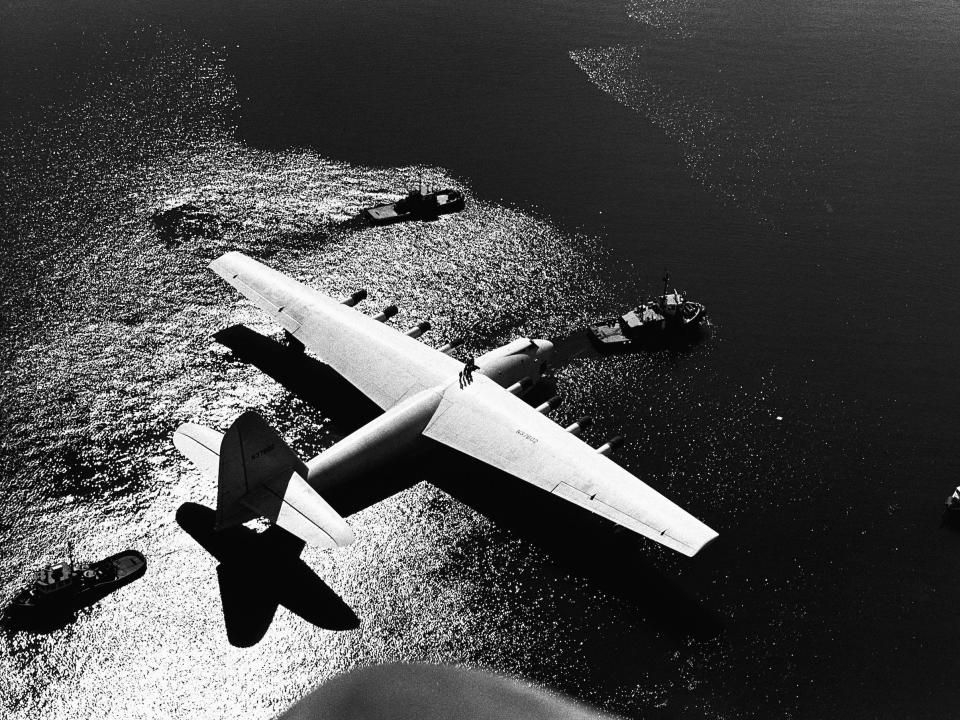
(511, 363)
(419, 329)
(551, 404)
(579, 425)
(610, 445)
(388, 312)
(353, 299)
(453, 344)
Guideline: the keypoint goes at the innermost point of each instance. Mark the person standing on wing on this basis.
(466, 375)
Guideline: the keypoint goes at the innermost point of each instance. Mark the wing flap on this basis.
(492, 425)
(613, 514)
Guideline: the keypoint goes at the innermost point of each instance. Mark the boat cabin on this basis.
(671, 303)
(51, 579)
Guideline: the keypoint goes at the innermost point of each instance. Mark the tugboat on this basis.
(417, 205)
(70, 585)
(665, 317)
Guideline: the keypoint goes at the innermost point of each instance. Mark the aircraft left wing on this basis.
(496, 427)
(385, 365)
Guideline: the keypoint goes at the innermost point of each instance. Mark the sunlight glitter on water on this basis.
(116, 351)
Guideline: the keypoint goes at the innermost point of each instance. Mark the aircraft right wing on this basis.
(490, 424)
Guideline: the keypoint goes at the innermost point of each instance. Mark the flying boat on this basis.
(427, 396)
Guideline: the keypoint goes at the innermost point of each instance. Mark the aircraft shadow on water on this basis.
(582, 545)
(315, 383)
(258, 572)
(578, 543)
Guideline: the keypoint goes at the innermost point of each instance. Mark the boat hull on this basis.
(610, 335)
(109, 574)
(430, 207)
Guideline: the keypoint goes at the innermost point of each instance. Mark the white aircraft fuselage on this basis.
(398, 433)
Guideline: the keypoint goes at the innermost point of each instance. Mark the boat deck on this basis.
(384, 212)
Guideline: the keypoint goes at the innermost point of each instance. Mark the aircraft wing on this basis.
(492, 425)
(385, 365)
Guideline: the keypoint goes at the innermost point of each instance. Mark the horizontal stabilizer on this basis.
(299, 509)
(259, 474)
(201, 446)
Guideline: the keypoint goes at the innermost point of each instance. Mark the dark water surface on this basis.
(793, 164)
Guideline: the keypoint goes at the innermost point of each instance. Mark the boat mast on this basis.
(666, 280)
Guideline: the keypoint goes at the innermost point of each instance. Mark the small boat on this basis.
(417, 205)
(70, 585)
(665, 317)
(952, 508)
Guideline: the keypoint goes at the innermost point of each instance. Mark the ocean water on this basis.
(793, 165)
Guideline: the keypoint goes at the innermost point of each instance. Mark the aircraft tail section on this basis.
(259, 475)
(201, 446)
(251, 454)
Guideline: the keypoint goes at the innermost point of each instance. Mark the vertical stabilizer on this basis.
(251, 454)
(259, 475)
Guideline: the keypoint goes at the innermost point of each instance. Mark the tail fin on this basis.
(251, 454)
(260, 475)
